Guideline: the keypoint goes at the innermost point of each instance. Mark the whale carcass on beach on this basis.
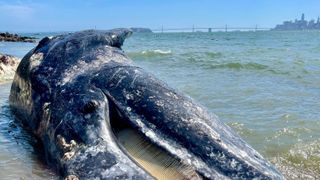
(100, 116)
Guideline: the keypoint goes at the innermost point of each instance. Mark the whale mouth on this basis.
(149, 156)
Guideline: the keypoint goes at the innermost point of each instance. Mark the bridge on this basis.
(226, 28)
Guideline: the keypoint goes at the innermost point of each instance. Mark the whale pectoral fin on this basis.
(118, 36)
(96, 39)
(43, 42)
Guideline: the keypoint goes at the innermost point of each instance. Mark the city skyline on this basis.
(67, 15)
(301, 24)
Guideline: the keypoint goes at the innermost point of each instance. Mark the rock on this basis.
(8, 66)
(141, 30)
(15, 38)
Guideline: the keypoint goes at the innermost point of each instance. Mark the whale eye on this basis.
(90, 107)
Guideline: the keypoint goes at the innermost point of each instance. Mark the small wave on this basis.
(241, 129)
(301, 162)
(150, 53)
(157, 51)
(238, 66)
(205, 56)
(213, 54)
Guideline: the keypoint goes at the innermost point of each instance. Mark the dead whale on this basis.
(101, 117)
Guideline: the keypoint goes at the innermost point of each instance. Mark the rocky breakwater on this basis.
(140, 30)
(8, 66)
(15, 38)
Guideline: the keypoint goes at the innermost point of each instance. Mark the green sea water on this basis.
(265, 85)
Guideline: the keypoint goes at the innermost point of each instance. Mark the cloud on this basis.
(19, 12)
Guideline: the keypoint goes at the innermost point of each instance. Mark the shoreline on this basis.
(5, 82)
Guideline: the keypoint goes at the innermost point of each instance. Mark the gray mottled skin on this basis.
(70, 87)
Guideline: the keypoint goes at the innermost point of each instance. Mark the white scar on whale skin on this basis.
(83, 67)
(35, 60)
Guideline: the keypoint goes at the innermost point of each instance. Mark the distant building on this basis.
(301, 24)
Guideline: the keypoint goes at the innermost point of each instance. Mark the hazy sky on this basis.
(69, 15)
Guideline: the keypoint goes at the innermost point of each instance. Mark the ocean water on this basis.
(265, 85)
